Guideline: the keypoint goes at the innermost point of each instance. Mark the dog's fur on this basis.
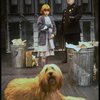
(30, 61)
(44, 86)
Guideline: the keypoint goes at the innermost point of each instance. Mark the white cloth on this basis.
(51, 43)
(45, 27)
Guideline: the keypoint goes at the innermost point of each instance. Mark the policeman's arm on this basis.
(78, 15)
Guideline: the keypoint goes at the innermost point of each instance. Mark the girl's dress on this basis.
(48, 48)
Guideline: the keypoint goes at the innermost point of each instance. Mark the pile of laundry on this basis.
(18, 42)
(81, 45)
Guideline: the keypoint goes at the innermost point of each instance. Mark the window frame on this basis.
(32, 7)
(12, 7)
(54, 10)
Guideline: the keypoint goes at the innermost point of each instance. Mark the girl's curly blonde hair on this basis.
(44, 7)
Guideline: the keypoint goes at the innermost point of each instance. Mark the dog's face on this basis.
(50, 78)
(29, 54)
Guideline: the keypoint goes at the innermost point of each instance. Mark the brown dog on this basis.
(31, 60)
(45, 86)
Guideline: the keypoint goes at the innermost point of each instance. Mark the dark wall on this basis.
(3, 25)
(96, 11)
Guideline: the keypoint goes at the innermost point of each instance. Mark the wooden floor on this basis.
(69, 88)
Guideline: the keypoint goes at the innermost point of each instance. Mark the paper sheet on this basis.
(73, 47)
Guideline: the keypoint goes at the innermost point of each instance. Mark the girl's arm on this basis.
(41, 25)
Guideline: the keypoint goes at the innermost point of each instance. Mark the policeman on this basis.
(70, 23)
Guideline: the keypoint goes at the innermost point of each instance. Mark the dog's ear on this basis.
(60, 79)
(43, 84)
(60, 82)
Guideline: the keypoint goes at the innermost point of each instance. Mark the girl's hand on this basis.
(52, 35)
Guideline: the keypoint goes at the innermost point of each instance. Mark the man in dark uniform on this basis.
(70, 24)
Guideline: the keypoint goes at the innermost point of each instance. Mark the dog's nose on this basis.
(50, 73)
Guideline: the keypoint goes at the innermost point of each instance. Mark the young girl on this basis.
(47, 31)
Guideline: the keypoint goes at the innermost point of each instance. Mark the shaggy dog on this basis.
(44, 86)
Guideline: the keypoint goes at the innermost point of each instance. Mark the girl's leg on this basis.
(37, 61)
(43, 61)
(39, 58)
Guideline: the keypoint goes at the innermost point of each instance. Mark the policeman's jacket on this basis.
(70, 19)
